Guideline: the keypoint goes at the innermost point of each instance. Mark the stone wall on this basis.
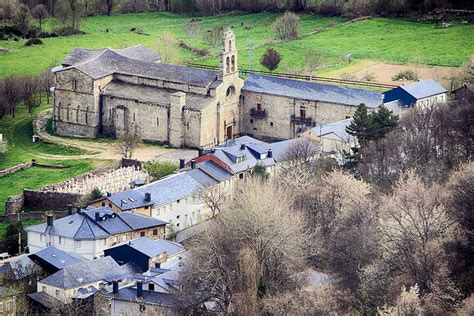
(49, 200)
(16, 168)
(28, 216)
(14, 203)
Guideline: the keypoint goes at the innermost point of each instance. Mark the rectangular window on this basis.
(348, 117)
(259, 107)
(142, 234)
(43, 288)
(271, 124)
(57, 293)
(241, 176)
(134, 117)
(61, 241)
(155, 232)
(302, 113)
(177, 201)
(157, 121)
(151, 287)
(251, 121)
(254, 128)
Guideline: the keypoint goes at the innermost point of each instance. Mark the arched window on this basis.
(233, 63)
(74, 84)
(230, 45)
(227, 65)
(87, 114)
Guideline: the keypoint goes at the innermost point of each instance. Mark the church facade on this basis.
(110, 92)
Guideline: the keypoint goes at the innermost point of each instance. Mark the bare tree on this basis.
(22, 19)
(213, 198)
(167, 48)
(110, 6)
(415, 227)
(29, 92)
(312, 61)
(301, 151)
(287, 27)
(214, 36)
(10, 94)
(127, 143)
(40, 13)
(251, 250)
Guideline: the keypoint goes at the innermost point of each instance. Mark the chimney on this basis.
(50, 219)
(139, 289)
(147, 197)
(193, 164)
(181, 163)
(69, 209)
(200, 151)
(97, 216)
(109, 194)
(115, 287)
(270, 153)
(242, 146)
(78, 209)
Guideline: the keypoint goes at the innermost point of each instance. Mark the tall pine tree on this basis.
(361, 125)
(384, 121)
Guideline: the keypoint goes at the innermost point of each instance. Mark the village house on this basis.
(147, 253)
(423, 93)
(92, 230)
(128, 200)
(82, 280)
(51, 259)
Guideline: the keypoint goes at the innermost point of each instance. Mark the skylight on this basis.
(131, 200)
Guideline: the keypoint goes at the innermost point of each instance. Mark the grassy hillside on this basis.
(392, 40)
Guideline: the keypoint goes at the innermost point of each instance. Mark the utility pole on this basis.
(251, 48)
(19, 233)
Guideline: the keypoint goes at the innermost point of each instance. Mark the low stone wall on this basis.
(28, 216)
(16, 168)
(49, 200)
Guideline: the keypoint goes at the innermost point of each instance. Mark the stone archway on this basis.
(229, 125)
(121, 120)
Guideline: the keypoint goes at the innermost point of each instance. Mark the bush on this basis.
(287, 27)
(96, 194)
(33, 41)
(409, 75)
(271, 59)
(159, 170)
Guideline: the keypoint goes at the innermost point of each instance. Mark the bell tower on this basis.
(228, 58)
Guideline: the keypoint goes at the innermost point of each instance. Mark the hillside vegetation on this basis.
(392, 40)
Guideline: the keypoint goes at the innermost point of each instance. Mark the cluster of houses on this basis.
(119, 244)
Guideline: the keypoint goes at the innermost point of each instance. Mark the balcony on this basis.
(259, 114)
(308, 121)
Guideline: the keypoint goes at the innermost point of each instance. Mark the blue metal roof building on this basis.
(409, 94)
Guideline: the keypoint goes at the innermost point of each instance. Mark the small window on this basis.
(151, 286)
(110, 205)
(43, 288)
(57, 293)
(177, 225)
(259, 107)
(142, 234)
(74, 84)
(241, 176)
(254, 128)
(134, 117)
(271, 124)
(103, 203)
(347, 117)
(177, 201)
(61, 240)
(177, 217)
(155, 232)
(157, 121)
(251, 121)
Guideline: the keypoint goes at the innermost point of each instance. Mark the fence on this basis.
(306, 77)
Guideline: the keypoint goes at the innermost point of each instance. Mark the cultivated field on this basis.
(389, 40)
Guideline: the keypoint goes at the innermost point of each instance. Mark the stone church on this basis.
(109, 92)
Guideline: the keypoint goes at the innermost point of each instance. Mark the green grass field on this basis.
(391, 40)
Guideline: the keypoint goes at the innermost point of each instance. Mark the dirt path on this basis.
(101, 149)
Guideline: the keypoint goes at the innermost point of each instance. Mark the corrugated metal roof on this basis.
(423, 88)
(312, 91)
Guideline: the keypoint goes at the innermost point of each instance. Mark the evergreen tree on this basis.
(10, 242)
(361, 125)
(384, 121)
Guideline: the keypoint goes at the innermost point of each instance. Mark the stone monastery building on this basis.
(108, 92)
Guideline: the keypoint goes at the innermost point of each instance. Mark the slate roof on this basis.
(128, 200)
(83, 273)
(177, 186)
(161, 96)
(18, 267)
(56, 258)
(153, 248)
(214, 170)
(45, 300)
(83, 226)
(423, 88)
(166, 281)
(338, 128)
(312, 91)
(149, 297)
(110, 61)
(139, 52)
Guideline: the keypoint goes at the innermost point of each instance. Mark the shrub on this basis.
(409, 75)
(214, 36)
(368, 76)
(287, 27)
(96, 194)
(159, 170)
(271, 59)
(33, 41)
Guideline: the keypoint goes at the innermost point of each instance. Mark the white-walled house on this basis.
(423, 93)
(92, 230)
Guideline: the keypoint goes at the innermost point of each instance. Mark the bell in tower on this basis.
(228, 58)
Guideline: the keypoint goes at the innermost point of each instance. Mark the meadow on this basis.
(384, 39)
